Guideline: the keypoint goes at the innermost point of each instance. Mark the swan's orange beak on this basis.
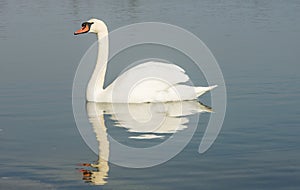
(82, 30)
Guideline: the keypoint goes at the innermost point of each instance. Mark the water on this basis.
(256, 44)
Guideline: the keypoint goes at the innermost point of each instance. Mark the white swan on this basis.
(147, 82)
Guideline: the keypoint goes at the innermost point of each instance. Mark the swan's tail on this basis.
(201, 90)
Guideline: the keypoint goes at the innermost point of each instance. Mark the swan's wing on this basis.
(166, 71)
(155, 65)
(146, 82)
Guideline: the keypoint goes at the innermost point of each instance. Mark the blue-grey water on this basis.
(257, 47)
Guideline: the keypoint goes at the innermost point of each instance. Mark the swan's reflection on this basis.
(142, 121)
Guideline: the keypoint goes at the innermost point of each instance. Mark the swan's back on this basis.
(165, 71)
(151, 82)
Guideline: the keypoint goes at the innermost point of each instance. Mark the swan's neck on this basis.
(95, 86)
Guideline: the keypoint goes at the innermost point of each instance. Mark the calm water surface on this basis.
(257, 47)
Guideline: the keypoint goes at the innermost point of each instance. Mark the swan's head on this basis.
(92, 26)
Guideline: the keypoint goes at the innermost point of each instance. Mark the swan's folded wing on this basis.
(170, 73)
(147, 82)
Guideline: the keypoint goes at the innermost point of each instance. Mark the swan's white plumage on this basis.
(147, 82)
(151, 82)
(173, 74)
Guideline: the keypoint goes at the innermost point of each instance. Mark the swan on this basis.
(163, 82)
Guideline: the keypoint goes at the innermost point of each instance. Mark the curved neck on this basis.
(95, 85)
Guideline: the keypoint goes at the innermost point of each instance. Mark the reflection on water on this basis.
(147, 121)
